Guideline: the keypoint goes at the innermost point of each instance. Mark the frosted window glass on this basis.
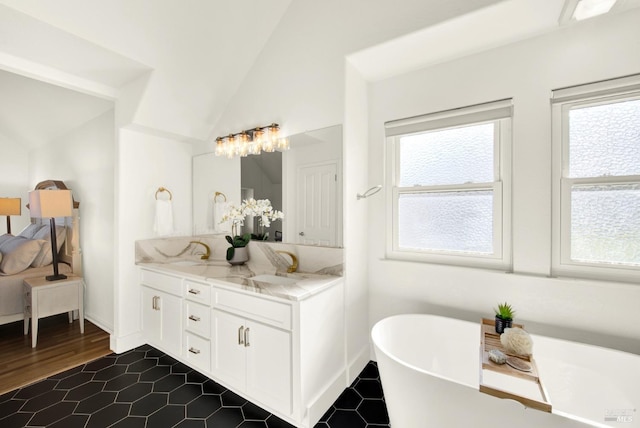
(447, 221)
(450, 156)
(605, 140)
(605, 224)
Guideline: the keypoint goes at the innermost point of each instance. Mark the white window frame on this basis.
(498, 112)
(562, 101)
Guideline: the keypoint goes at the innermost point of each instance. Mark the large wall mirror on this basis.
(304, 182)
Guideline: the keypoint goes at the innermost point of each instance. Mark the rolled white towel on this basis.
(163, 224)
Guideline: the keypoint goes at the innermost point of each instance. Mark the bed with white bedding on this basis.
(29, 254)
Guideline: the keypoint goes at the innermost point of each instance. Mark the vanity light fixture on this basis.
(252, 142)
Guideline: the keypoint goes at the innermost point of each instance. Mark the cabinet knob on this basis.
(301, 233)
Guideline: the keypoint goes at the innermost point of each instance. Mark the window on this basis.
(597, 180)
(449, 181)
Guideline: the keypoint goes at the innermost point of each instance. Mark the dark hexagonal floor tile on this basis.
(109, 373)
(131, 422)
(52, 414)
(346, 418)
(211, 387)
(141, 365)
(231, 399)
(74, 380)
(191, 423)
(327, 414)
(16, 420)
(348, 400)
(185, 393)
(43, 401)
(9, 407)
(154, 374)
(181, 368)
(203, 406)
(148, 404)
(253, 412)
(8, 396)
(130, 357)
(85, 390)
(71, 421)
(36, 389)
(166, 360)
(369, 372)
(100, 364)
(225, 417)
(154, 353)
(96, 402)
(275, 422)
(373, 411)
(253, 424)
(134, 392)
(169, 383)
(108, 416)
(369, 388)
(121, 382)
(168, 416)
(196, 377)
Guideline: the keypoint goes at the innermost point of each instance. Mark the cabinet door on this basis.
(171, 323)
(269, 365)
(151, 321)
(228, 351)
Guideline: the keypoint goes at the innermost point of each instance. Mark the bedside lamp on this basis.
(51, 204)
(9, 207)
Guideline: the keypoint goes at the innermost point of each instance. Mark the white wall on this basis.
(84, 160)
(14, 163)
(592, 311)
(144, 163)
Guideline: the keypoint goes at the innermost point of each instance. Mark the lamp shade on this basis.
(10, 206)
(50, 203)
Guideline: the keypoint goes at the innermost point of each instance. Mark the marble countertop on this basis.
(219, 272)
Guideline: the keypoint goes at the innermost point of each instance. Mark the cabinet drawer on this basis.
(197, 318)
(197, 351)
(267, 311)
(197, 292)
(159, 281)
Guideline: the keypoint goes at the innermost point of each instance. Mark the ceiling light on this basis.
(589, 8)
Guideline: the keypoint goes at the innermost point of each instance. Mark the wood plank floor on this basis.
(60, 347)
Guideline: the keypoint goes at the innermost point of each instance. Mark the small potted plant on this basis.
(504, 317)
(237, 253)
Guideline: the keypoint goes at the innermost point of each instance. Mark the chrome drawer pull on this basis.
(194, 318)
(241, 335)
(246, 337)
(194, 351)
(192, 291)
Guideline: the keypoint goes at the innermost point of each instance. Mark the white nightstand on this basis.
(43, 298)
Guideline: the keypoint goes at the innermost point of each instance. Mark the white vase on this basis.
(240, 256)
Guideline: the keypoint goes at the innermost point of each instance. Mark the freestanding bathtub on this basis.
(429, 368)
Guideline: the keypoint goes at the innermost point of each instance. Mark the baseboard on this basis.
(357, 364)
(323, 402)
(125, 343)
(99, 323)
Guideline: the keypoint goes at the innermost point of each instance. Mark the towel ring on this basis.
(164, 189)
(219, 194)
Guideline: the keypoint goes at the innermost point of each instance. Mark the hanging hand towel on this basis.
(219, 210)
(163, 224)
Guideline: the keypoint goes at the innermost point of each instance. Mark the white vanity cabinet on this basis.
(162, 311)
(284, 353)
(251, 356)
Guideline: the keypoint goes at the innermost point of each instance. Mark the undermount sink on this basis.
(272, 279)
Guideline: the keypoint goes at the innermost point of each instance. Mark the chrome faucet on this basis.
(294, 261)
(206, 255)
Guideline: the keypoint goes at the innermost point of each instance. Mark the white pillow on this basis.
(45, 257)
(18, 254)
(31, 230)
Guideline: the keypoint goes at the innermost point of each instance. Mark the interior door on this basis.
(317, 204)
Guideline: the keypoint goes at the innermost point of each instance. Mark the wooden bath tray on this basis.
(491, 340)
